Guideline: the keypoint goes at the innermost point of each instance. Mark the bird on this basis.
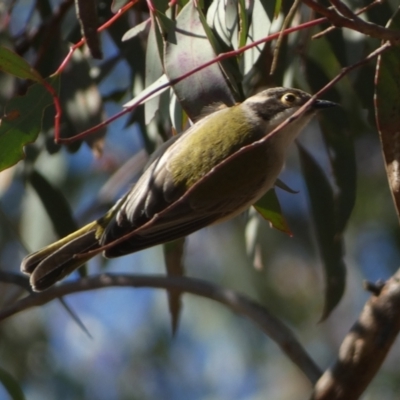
(210, 173)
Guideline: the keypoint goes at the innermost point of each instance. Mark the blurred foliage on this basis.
(341, 200)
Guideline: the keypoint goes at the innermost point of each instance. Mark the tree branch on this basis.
(365, 346)
(354, 23)
(238, 303)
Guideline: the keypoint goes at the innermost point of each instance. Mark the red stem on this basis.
(172, 82)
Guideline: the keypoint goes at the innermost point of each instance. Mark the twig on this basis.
(285, 24)
(219, 58)
(15, 279)
(344, 10)
(356, 24)
(238, 303)
(365, 346)
(358, 12)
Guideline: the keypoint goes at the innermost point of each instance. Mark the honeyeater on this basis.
(212, 172)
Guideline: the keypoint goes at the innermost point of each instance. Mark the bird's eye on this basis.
(288, 98)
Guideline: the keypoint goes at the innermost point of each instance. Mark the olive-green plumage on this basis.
(211, 172)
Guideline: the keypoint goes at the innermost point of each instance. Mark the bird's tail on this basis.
(54, 262)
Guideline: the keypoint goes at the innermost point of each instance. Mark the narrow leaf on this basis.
(187, 48)
(11, 385)
(282, 185)
(13, 64)
(56, 206)
(139, 28)
(173, 254)
(269, 208)
(329, 240)
(54, 202)
(139, 98)
(117, 4)
(337, 129)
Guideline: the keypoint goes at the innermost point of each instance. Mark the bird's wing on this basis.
(155, 212)
(152, 208)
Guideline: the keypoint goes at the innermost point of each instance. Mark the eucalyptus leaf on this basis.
(14, 64)
(11, 385)
(21, 123)
(189, 49)
(330, 241)
(269, 208)
(139, 28)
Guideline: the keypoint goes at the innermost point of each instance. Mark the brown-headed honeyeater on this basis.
(210, 173)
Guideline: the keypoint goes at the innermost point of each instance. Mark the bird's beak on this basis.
(319, 104)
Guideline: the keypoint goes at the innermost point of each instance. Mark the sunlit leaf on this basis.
(154, 73)
(222, 16)
(139, 28)
(259, 27)
(117, 4)
(244, 23)
(142, 97)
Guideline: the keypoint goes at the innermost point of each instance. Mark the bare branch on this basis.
(354, 23)
(365, 346)
(238, 303)
(358, 12)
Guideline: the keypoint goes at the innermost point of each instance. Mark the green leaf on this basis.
(21, 124)
(278, 6)
(269, 208)
(13, 64)
(11, 385)
(244, 23)
(329, 240)
(387, 111)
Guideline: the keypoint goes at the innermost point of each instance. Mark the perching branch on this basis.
(365, 346)
(238, 303)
